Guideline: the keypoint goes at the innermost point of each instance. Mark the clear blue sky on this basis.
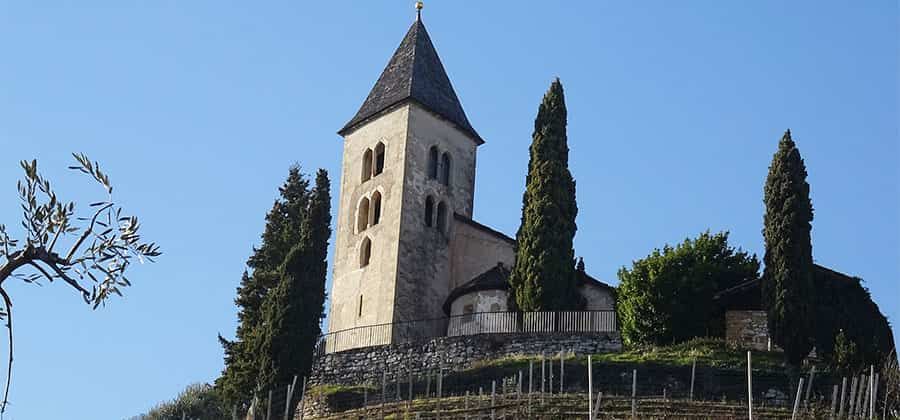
(198, 108)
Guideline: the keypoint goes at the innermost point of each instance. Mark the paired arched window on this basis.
(368, 212)
(445, 169)
(362, 215)
(373, 162)
(379, 159)
(433, 163)
(365, 252)
(429, 211)
(375, 206)
(367, 165)
(442, 210)
(442, 217)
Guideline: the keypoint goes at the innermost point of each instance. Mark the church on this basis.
(407, 247)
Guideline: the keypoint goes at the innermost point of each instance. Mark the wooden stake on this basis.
(290, 398)
(303, 396)
(543, 364)
(597, 405)
(269, 406)
(843, 397)
(834, 397)
(852, 399)
(590, 388)
(812, 374)
(872, 383)
(562, 372)
(633, 393)
(797, 400)
(749, 386)
(530, 383)
(493, 396)
(693, 375)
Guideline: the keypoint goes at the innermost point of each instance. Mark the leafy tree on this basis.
(543, 277)
(667, 296)
(197, 401)
(788, 292)
(282, 232)
(101, 251)
(294, 309)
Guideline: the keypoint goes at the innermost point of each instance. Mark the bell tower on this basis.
(408, 168)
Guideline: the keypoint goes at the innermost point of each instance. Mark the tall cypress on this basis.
(294, 309)
(281, 233)
(788, 290)
(543, 277)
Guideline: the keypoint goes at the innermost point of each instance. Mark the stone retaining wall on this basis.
(356, 366)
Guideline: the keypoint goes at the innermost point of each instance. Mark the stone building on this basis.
(407, 247)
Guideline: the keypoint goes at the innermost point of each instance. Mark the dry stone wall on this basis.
(353, 367)
(747, 329)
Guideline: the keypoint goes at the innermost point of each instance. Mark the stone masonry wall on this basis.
(747, 329)
(353, 367)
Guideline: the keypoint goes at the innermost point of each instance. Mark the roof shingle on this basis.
(414, 73)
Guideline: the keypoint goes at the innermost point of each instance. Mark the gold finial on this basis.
(419, 6)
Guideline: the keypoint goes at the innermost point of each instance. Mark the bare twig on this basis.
(9, 326)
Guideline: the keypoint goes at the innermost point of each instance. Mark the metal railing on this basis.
(467, 324)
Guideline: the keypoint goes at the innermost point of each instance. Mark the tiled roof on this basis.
(415, 73)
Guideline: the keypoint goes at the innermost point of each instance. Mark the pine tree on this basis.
(543, 277)
(788, 290)
(282, 232)
(294, 309)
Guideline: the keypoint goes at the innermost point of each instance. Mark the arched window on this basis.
(379, 158)
(445, 169)
(433, 163)
(365, 252)
(367, 165)
(362, 215)
(429, 211)
(442, 217)
(376, 209)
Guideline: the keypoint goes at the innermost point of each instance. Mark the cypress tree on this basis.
(543, 277)
(787, 284)
(294, 309)
(281, 233)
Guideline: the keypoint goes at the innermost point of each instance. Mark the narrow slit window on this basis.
(433, 163)
(429, 211)
(365, 252)
(359, 313)
(445, 169)
(442, 217)
(375, 206)
(379, 158)
(366, 165)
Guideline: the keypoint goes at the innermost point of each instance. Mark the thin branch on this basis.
(62, 274)
(59, 230)
(87, 232)
(41, 269)
(9, 326)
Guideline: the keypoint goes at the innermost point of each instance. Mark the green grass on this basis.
(709, 352)
(712, 352)
(329, 389)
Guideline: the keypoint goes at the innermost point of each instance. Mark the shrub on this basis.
(667, 297)
(197, 401)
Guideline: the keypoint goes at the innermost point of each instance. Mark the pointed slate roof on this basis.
(414, 73)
